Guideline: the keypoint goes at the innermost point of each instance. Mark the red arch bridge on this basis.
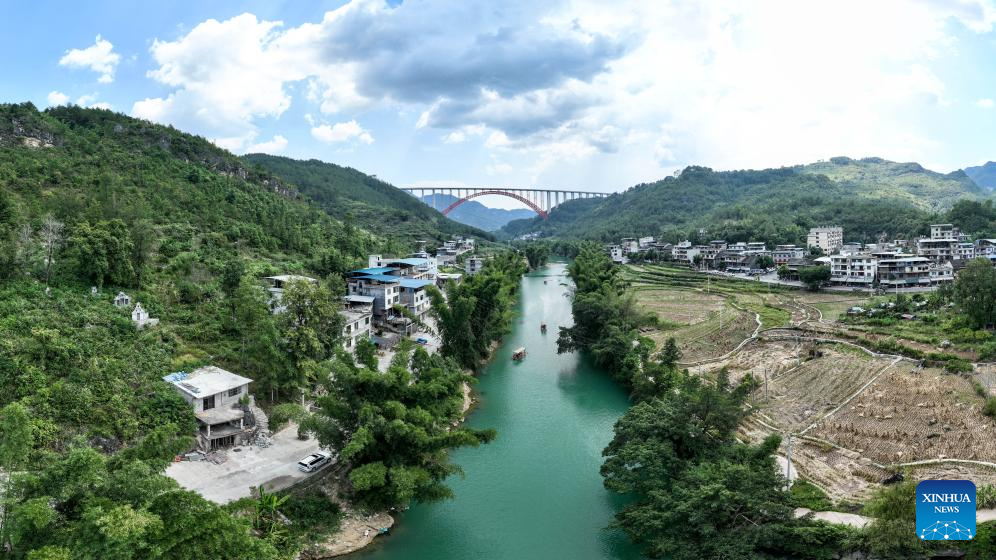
(540, 201)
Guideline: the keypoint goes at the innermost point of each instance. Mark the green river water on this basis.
(534, 492)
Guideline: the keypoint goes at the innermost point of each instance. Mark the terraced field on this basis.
(913, 415)
(804, 394)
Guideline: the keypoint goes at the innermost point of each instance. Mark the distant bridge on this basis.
(540, 201)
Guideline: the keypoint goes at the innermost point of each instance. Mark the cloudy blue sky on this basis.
(572, 94)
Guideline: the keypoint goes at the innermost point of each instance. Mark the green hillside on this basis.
(91, 199)
(348, 194)
(867, 197)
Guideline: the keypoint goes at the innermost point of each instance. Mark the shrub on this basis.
(281, 414)
(990, 408)
(958, 365)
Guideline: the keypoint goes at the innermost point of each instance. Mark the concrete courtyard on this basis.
(273, 467)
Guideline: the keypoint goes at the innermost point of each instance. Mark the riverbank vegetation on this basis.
(393, 428)
(477, 312)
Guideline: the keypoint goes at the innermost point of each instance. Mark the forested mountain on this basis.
(351, 195)
(95, 200)
(475, 214)
(983, 175)
(868, 197)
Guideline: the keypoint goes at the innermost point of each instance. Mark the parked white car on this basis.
(313, 462)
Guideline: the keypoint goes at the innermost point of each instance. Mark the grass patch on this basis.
(807, 495)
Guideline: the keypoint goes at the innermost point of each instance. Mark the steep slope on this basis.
(477, 215)
(371, 203)
(867, 197)
(983, 175)
(167, 217)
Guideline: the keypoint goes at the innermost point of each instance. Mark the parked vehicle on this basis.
(313, 462)
(421, 340)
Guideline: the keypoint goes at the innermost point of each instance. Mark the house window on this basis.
(209, 402)
(235, 392)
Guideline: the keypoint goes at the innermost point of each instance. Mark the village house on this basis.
(784, 253)
(858, 270)
(827, 238)
(276, 286)
(645, 243)
(378, 283)
(473, 265)
(215, 396)
(685, 252)
(443, 277)
(616, 254)
(904, 271)
(416, 299)
(358, 311)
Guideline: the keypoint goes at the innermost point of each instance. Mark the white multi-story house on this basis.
(938, 251)
(941, 273)
(784, 253)
(965, 251)
(904, 271)
(384, 288)
(215, 396)
(473, 265)
(415, 298)
(616, 254)
(645, 243)
(685, 252)
(630, 245)
(853, 270)
(358, 311)
(943, 231)
(828, 238)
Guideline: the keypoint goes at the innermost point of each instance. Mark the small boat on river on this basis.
(519, 354)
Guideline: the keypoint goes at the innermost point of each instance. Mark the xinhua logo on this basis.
(945, 510)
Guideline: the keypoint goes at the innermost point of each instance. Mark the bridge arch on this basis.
(532, 205)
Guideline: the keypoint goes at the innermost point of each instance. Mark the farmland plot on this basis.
(799, 396)
(909, 415)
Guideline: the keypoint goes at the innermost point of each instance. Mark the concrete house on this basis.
(473, 265)
(358, 311)
(828, 238)
(277, 285)
(377, 283)
(214, 394)
(784, 253)
(858, 270)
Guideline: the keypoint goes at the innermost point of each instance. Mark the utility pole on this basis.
(765, 385)
(788, 465)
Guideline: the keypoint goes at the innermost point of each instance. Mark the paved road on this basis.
(275, 467)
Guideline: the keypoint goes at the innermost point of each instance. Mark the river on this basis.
(534, 492)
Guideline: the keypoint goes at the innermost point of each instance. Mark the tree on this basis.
(975, 293)
(392, 429)
(366, 353)
(765, 262)
(51, 239)
(259, 340)
(814, 277)
(103, 252)
(15, 445)
(143, 240)
(311, 326)
(783, 272)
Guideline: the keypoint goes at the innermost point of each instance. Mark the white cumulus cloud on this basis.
(273, 146)
(56, 98)
(99, 57)
(341, 132)
(985, 103)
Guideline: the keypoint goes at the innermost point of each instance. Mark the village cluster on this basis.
(910, 265)
(385, 302)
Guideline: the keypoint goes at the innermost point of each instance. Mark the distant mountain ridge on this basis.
(348, 194)
(475, 214)
(868, 197)
(984, 175)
